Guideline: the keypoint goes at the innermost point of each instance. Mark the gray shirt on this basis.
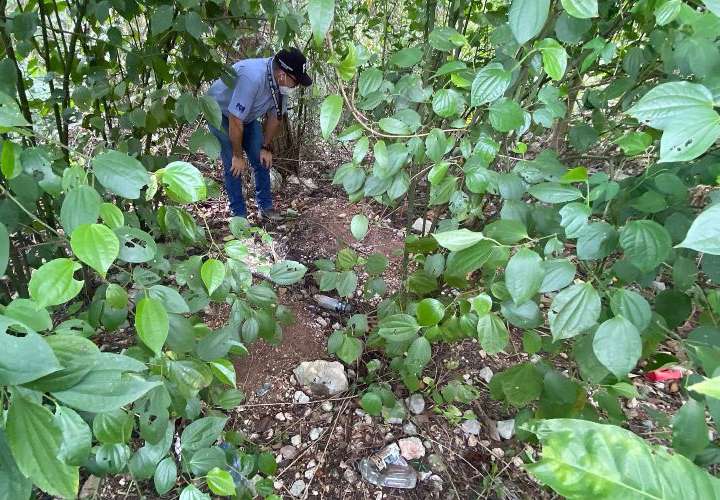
(250, 97)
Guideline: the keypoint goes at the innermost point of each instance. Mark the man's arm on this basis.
(271, 127)
(235, 132)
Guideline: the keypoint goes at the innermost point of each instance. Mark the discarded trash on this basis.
(421, 223)
(663, 374)
(332, 304)
(506, 428)
(388, 468)
(263, 389)
(471, 426)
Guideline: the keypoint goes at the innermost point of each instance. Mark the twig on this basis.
(255, 405)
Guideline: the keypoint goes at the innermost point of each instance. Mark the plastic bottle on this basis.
(392, 476)
(332, 304)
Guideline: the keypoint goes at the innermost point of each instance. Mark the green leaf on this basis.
(136, 246)
(266, 463)
(596, 241)
(634, 143)
(321, 13)
(26, 311)
(13, 485)
(105, 390)
(632, 306)
(418, 356)
(507, 232)
(120, 174)
(35, 442)
(394, 126)
(53, 283)
(406, 57)
(704, 233)
(220, 482)
(581, 9)
(211, 111)
(666, 11)
(204, 141)
(713, 6)
(113, 427)
(554, 58)
(359, 226)
(350, 349)
(212, 273)
(458, 239)
(330, 112)
(165, 475)
(161, 20)
(183, 182)
(579, 457)
(527, 18)
(346, 283)
(190, 492)
(506, 114)
(10, 115)
(524, 275)
(492, 333)
(80, 206)
(446, 39)
(224, 371)
(151, 323)
(617, 345)
(489, 85)
(646, 244)
(429, 312)
(518, 385)
(76, 436)
(111, 216)
(287, 272)
(202, 433)
(709, 387)
(195, 25)
(573, 311)
(684, 112)
(553, 192)
(170, 298)
(574, 217)
(447, 102)
(690, 432)
(95, 245)
(369, 81)
(398, 327)
(372, 404)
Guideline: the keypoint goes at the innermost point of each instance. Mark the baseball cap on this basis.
(293, 62)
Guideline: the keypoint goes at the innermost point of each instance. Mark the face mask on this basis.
(287, 90)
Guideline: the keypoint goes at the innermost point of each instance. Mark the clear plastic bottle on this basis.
(392, 476)
(332, 304)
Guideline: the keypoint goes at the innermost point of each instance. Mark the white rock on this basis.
(498, 452)
(310, 473)
(315, 433)
(410, 429)
(471, 426)
(297, 488)
(288, 452)
(308, 183)
(486, 374)
(280, 416)
(658, 285)
(418, 225)
(472, 441)
(326, 406)
(506, 428)
(301, 398)
(411, 448)
(350, 476)
(416, 403)
(293, 179)
(321, 321)
(296, 440)
(322, 377)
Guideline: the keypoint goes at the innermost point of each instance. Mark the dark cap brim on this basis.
(305, 80)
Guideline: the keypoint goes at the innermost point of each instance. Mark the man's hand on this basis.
(266, 158)
(239, 165)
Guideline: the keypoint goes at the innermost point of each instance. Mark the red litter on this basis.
(663, 374)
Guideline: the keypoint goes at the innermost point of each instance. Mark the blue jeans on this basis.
(252, 141)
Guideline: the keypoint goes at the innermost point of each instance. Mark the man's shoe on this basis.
(270, 216)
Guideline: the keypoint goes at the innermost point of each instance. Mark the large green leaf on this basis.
(704, 233)
(617, 345)
(25, 358)
(76, 436)
(574, 217)
(369, 81)
(212, 273)
(506, 114)
(406, 57)
(220, 482)
(151, 323)
(398, 327)
(553, 192)
(120, 174)
(667, 10)
(165, 475)
(202, 433)
(458, 239)
(80, 206)
(105, 390)
(13, 485)
(10, 114)
(489, 84)
(330, 112)
(35, 442)
(684, 112)
(136, 246)
(554, 58)
(359, 226)
(527, 18)
(287, 272)
(26, 311)
(632, 306)
(524, 275)
(646, 244)
(573, 311)
(690, 432)
(321, 13)
(53, 282)
(418, 356)
(583, 459)
(492, 333)
(96, 245)
(581, 9)
(183, 182)
(559, 273)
